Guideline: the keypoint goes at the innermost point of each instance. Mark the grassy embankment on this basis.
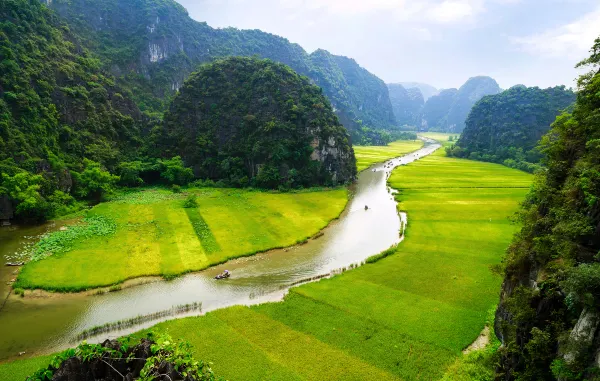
(155, 235)
(407, 316)
(369, 155)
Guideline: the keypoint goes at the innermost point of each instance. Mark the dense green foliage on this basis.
(506, 128)
(448, 111)
(151, 46)
(247, 121)
(407, 105)
(552, 272)
(56, 108)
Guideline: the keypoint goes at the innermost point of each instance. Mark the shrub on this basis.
(190, 202)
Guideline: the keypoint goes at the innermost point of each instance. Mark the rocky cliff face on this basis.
(549, 313)
(247, 121)
(152, 47)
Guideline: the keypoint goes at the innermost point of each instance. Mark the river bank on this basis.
(351, 239)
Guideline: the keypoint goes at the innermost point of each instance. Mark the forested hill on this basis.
(151, 46)
(407, 104)
(549, 314)
(448, 110)
(254, 122)
(506, 127)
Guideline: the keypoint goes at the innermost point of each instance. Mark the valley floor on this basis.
(156, 235)
(366, 156)
(405, 317)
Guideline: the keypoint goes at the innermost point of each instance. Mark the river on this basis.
(44, 323)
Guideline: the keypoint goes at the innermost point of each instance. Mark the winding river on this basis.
(44, 323)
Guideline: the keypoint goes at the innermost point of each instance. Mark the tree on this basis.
(174, 171)
(23, 188)
(94, 182)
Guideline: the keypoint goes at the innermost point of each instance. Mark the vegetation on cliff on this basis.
(248, 121)
(549, 315)
(506, 128)
(153, 358)
(56, 108)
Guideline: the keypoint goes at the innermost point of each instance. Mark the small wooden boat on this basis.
(14, 264)
(225, 275)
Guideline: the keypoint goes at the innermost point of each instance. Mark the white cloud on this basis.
(422, 34)
(416, 11)
(575, 38)
(451, 11)
(345, 7)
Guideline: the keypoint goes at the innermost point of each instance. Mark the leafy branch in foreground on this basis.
(154, 358)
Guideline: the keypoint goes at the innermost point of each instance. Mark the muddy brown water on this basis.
(44, 323)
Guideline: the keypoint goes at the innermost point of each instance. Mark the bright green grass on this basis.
(157, 236)
(369, 155)
(405, 317)
(19, 370)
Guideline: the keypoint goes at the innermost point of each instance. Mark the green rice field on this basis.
(366, 156)
(156, 235)
(405, 317)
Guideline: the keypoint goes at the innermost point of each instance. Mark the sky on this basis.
(439, 42)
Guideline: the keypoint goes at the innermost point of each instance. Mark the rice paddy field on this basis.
(155, 235)
(405, 317)
(369, 155)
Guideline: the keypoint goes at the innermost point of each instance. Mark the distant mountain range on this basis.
(426, 90)
(407, 104)
(424, 107)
